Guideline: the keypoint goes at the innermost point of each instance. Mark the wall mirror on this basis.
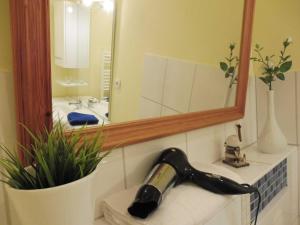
(145, 69)
(175, 69)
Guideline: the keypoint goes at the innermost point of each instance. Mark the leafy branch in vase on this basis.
(229, 67)
(270, 71)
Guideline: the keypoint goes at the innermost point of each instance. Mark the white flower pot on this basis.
(70, 204)
(272, 140)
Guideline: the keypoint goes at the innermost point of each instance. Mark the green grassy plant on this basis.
(55, 159)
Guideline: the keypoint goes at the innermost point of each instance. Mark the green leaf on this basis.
(269, 78)
(286, 58)
(231, 70)
(227, 75)
(269, 71)
(264, 80)
(280, 76)
(286, 66)
(223, 66)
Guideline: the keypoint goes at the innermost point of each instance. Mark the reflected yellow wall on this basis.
(275, 20)
(5, 43)
(193, 30)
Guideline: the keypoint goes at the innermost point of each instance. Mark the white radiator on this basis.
(106, 72)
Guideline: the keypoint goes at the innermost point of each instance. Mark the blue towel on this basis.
(77, 119)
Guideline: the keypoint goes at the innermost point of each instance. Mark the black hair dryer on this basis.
(172, 168)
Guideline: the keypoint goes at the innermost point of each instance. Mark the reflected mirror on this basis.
(173, 57)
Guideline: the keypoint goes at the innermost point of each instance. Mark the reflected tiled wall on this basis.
(171, 86)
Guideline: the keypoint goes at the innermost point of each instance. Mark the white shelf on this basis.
(72, 83)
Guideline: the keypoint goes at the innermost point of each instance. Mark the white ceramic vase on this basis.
(272, 140)
(70, 204)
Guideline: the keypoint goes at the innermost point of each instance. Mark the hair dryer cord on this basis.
(259, 201)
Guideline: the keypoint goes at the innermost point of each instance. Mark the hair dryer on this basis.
(172, 168)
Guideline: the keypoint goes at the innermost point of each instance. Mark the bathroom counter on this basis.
(282, 205)
(260, 163)
(61, 108)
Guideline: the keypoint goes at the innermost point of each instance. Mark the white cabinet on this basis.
(71, 34)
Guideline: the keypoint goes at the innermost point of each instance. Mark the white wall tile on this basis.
(140, 157)
(285, 106)
(168, 112)
(154, 75)
(297, 76)
(229, 215)
(178, 85)
(109, 178)
(206, 145)
(210, 89)
(149, 109)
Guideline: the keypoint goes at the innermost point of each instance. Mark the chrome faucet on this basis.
(92, 102)
(77, 103)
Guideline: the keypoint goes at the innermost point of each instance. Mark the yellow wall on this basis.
(193, 30)
(7, 101)
(5, 43)
(275, 20)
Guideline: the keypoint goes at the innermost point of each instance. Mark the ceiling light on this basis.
(70, 9)
(87, 3)
(108, 5)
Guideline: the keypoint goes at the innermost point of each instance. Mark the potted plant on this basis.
(272, 140)
(55, 189)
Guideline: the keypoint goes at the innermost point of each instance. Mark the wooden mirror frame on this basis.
(32, 76)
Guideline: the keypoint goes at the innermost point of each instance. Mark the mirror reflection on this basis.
(81, 38)
(172, 57)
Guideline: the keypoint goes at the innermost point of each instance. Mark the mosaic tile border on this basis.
(269, 186)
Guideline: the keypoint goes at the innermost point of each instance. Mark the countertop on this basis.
(260, 163)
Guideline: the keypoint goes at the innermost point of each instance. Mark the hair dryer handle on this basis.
(219, 185)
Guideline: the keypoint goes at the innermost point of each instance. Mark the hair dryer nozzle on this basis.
(147, 200)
